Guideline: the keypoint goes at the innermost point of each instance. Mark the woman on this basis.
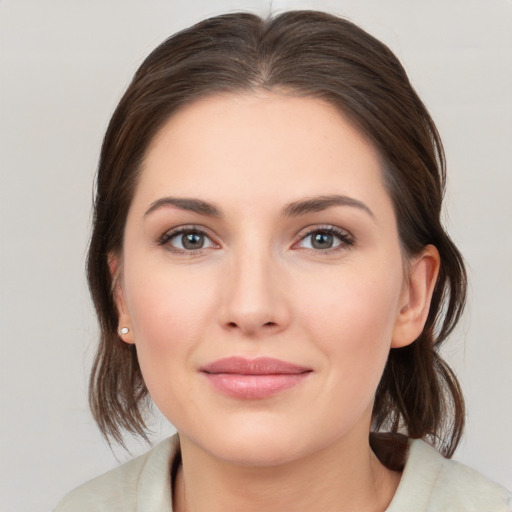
(268, 265)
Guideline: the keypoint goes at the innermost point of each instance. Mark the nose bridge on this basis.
(254, 296)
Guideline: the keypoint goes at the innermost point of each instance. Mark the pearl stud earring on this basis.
(123, 331)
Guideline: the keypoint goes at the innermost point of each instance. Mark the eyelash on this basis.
(346, 239)
(182, 230)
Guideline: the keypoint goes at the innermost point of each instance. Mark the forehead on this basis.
(259, 145)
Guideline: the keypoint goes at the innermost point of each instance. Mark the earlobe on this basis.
(124, 330)
(416, 297)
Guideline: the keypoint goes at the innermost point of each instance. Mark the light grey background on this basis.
(64, 65)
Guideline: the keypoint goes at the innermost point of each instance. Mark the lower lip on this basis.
(254, 386)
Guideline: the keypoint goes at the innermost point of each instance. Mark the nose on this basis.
(254, 298)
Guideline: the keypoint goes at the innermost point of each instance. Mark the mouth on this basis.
(259, 378)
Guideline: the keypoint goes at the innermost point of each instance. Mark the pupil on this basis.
(193, 241)
(322, 241)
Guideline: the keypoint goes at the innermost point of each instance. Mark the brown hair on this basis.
(305, 53)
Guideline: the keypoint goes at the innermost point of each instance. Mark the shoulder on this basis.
(434, 483)
(143, 481)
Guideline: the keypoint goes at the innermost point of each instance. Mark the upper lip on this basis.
(258, 366)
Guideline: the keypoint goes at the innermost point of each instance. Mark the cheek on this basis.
(346, 299)
(351, 326)
(352, 320)
(169, 312)
(168, 316)
(163, 300)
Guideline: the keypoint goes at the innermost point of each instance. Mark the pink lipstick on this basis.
(259, 378)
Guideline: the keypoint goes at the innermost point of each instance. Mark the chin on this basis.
(257, 440)
(259, 451)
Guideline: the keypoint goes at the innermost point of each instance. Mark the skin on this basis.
(259, 287)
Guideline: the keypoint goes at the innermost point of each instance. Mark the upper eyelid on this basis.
(323, 227)
(171, 233)
(187, 227)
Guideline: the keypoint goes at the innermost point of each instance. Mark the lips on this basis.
(259, 378)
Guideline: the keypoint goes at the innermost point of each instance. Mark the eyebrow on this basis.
(191, 205)
(295, 209)
(320, 203)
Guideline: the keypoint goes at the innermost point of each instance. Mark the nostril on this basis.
(234, 325)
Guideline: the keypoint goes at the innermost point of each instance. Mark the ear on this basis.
(416, 296)
(124, 320)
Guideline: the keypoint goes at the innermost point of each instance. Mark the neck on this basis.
(342, 477)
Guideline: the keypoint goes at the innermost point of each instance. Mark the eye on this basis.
(325, 239)
(187, 240)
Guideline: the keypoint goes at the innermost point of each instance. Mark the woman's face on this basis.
(262, 277)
